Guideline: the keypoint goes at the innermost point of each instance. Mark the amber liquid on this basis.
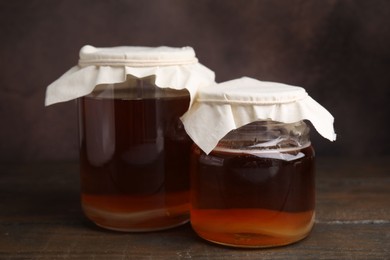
(134, 159)
(246, 200)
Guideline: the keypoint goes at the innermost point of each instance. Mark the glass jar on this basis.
(134, 156)
(256, 188)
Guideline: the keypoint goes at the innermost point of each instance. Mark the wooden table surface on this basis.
(41, 218)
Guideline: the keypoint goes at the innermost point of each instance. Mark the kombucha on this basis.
(257, 199)
(134, 159)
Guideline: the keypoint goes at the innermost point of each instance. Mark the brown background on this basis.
(339, 50)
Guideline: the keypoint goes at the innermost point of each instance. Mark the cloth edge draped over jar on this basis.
(175, 68)
(229, 105)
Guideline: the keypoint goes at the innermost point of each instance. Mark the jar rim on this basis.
(266, 135)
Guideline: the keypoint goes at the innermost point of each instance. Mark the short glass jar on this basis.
(134, 156)
(256, 188)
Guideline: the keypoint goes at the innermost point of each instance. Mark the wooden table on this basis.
(40, 218)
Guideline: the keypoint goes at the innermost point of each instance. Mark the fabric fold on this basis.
(229, 105)
(175, 68)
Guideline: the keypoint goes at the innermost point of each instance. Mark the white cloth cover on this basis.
(229, 105)
(175, 68)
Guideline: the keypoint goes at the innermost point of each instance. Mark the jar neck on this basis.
(136, 88)
(267, 135)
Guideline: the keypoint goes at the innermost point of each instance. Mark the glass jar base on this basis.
(251, 228)
(142, 229)
(246, 240)
(146, 221)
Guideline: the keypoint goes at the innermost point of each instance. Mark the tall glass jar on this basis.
(134, 151)
(134, 156)
(256, 188)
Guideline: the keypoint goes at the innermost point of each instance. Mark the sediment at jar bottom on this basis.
(251, 227)
(137, 214)
(251, 200)
(134, 161)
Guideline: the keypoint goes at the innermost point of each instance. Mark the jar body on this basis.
(134, 156)
(256, 188)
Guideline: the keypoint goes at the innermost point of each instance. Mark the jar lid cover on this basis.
(229, 105)
(137, 56)
(176, 68)
(251, 92)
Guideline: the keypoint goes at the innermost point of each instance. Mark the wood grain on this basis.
(40, 218)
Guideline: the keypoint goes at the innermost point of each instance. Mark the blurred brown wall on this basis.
(339, 50)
